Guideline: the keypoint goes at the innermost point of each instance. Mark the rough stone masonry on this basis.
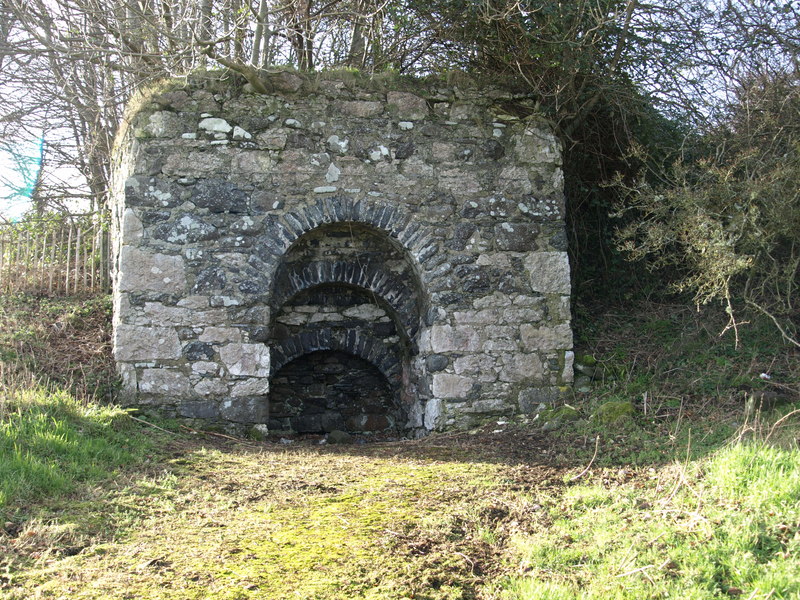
(339, 254)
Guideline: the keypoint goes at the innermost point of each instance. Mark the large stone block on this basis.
(249, 360)
(558, 337)
(447, 386)
(164, 382)
(549, 272)
(409, 106)
(135, 343)
(461, 338)
(142, 270)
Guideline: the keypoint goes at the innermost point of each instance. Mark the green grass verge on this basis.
(721, 527)
(50, 443)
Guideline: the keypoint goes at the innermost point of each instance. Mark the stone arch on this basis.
(373, 278)
(355, 342)
(362, 250)
(417, 240)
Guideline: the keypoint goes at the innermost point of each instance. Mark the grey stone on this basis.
(186, 229)
(549, 272)
(245, 410)
(164, 382)
(142, 343)
(246, 359)
(195, 351)
(339, 219)
(409, 106)
(143, 270)
(447, 386)
(546, 338)
(219, 196)
(339, 437)
(516, 237)
(436, 362)
(199, 409)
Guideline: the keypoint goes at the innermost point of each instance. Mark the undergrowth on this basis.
(691, 493)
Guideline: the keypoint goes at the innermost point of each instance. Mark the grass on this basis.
(694, 498)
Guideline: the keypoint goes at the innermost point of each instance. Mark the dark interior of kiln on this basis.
(345, 316)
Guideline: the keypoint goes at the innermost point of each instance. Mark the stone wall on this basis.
(415, 226)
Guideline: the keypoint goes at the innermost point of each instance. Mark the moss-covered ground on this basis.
(695, 494)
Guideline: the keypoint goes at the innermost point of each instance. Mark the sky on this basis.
(13, 204)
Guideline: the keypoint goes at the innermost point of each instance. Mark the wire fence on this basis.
(56, 256)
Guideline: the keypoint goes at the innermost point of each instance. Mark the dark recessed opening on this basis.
(327, 390)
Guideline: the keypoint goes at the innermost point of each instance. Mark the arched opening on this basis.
(346, 312)
(329, 389)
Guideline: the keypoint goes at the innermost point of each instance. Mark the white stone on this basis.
(221, 335)
(141, 270)
(461, 338)
(254, 386)
(549, 272)
(159, 314)
(162, 124)
(335, 144)
(164, 382)
(446, 385)
(293, 123)
(142, 343)
(333, 173)
(480, 366)
(521, 367)
(211, 386)
(249, 360)
(215, 125)
(189, 136)
(325, 189)
(368, 312)
(433, 413)
(241, 134)
(405, 125)
(558, 337)
(205, 367)
(568, 374)
(132, 228)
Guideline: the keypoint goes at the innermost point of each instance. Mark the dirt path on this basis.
(217, 519)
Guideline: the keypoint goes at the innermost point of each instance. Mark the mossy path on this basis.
(402, 520)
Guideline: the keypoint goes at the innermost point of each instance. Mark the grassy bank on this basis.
(692, 494)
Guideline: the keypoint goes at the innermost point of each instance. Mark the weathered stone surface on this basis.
(546, 338)
(199, 409)
(549, 272)
(162, 124)
(219, 196)
(140, 343)
(532, 400)
(520, 367)
(250, 387)
(245, 410)
(446, 386)
(413, 249)
(445, 338)
(164, 383)
(358, 108)
(144, 270)
(246, 359)
(132, 228)
(408, 106)
(516, 237)
(221, 335)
